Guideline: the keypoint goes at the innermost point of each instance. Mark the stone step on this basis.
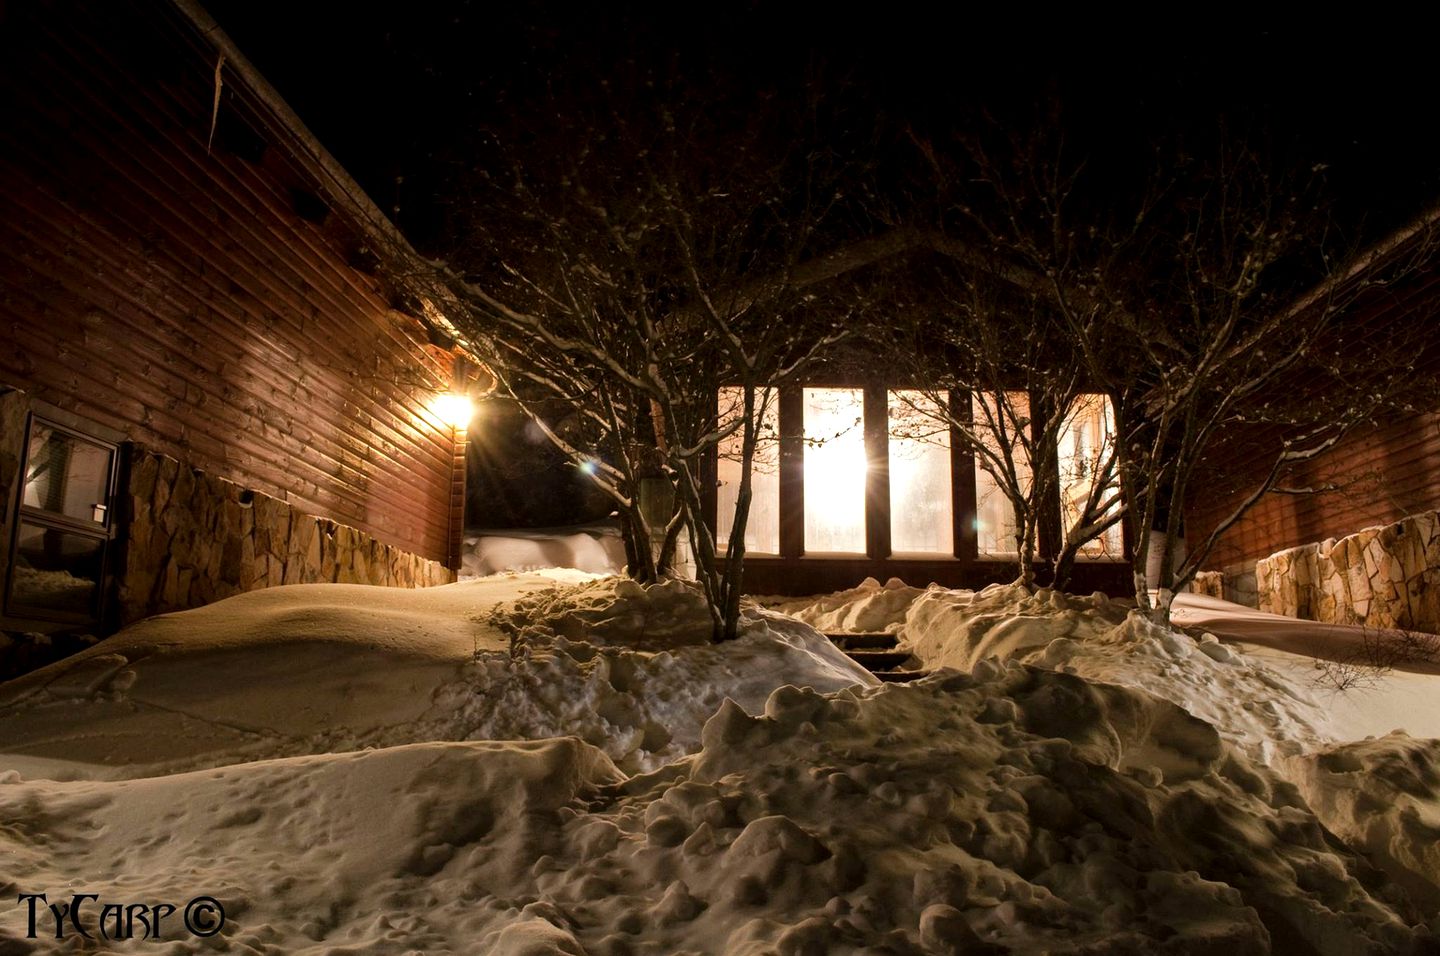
(876, 660)
(876, 652)
(901, 677)
(877, 640)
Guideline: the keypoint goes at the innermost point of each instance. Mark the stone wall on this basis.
(1386, 576)
(193, 539)
(1211, 583)
(1235, 584)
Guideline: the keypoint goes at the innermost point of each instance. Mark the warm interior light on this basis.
(762, 528)
(921, 514)
(1086, 442)
(995, 520)
(835, 468)
(454, 410)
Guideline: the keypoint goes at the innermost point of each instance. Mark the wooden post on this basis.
(877, 472)
(962, 482)
(457, 499)
(792, 472)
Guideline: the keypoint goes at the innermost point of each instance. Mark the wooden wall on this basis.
(1379, 473)
(206, 302)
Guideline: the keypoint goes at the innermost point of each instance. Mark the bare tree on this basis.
(641, 255)
(1005, 351)
(1207, 295)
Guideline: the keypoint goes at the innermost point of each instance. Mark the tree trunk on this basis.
(735, 555)
(638, 551)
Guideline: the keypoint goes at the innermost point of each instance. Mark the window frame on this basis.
(878, 540)
(23, 514)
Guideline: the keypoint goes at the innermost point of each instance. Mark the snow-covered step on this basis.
(878, 660)
(876, 640)
(901, 677)
(877, 653)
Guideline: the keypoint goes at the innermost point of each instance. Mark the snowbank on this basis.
(1338, 642)
(302, 852)
(596, 550)
(556, 764)
(1091, 636)
(1251, 705)
(866, 608)
(1262, 694)
(1382, 796)
(1024, 809)
(630, 669)
(311, 669)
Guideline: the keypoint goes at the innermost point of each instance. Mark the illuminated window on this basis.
(762, 527)
(999, 424)
(1086, 443)
(921, 515)
(835, 467)
(844, 496)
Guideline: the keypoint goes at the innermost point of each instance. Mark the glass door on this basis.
(63, 530)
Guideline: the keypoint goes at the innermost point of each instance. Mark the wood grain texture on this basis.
(175, 294)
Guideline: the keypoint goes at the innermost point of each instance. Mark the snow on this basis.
(555, 763)
(1103, 640)
(316, 668)
(1383, 795)
(867, 608)
(596, 550)
(1260, 684)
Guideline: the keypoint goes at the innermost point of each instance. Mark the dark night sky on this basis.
(389, 90)
(396, 90)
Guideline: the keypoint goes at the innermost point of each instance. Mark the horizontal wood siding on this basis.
(173, 293)
(1379, 474)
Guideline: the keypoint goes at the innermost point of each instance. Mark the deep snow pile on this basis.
(1028, 810)
(1103, 640)
(1383, 795)
(629, 669)
(1090, 636)
(868, 607)
(1110, 795)
(311, 669)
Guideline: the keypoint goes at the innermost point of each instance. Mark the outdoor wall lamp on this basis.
(457, 406)
(454, 409)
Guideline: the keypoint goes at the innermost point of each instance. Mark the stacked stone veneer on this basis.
(1387, 576)
(1211, 583)
(193, 538)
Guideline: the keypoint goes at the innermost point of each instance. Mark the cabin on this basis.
(843, 491)
(214, 376)
(220, 375)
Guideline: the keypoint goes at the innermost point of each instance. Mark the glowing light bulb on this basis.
(454, 410)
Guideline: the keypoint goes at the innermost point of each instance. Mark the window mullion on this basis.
(962, 484)
(792, 472)
(877, 474)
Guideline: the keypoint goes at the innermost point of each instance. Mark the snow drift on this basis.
(552, 764)
(1012, 809)
(596, 550)
(320, 668)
